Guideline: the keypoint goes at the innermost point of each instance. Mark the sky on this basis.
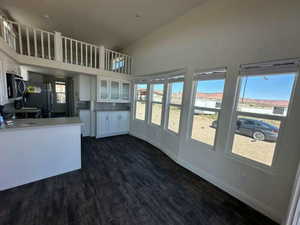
(269, 87)
(272, 87)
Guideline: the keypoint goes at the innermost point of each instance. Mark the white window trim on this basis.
(151, 102)
(205, 75)
(231, 130)
(168, 104)
(145, 101)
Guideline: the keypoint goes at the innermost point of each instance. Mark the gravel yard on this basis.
(260, 151)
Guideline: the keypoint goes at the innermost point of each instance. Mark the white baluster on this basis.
(35, 43)
(71, 50)
(91, 56)
(86, 55)
(76, 49)
(20, 39)
(28, 43)
(66, 56)
(42, 42)
(95, 58)
(81, 53)
(49, 49)
(105, 59)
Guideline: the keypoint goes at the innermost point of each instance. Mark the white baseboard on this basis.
(244, 197)
(112, 134)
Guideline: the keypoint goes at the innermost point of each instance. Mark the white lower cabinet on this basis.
(112, 123)
(85, 118)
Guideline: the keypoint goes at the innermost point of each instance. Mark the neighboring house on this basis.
(261, 106)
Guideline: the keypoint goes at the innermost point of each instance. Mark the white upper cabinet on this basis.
(115, 90)
(110, 90)
(104, 90)
(125, 91)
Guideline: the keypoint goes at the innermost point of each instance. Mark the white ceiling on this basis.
(113, 23)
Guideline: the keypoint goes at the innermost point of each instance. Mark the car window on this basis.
(249, 122)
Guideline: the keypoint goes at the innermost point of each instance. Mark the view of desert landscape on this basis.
(202, 131)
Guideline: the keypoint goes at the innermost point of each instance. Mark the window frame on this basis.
(65, 92)
(210, 75)
(235, 113)
(151, 102)
(145, 101)
(168, 104)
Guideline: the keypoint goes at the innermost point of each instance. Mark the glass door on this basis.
(104, 89)
(125, 91)
(115, 90)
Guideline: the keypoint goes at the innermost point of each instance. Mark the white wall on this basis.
(7, 64)
(227, 33)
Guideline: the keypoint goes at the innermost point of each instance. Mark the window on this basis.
(157, 103)
(208, 95)
(261, 108)
(141, 97)
(118, 63)
(60, 90)
(175, 105)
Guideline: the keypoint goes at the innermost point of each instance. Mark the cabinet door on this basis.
(115, 122)
(124, 121)
(103, 127)
(115, 90)
(104, 91)
(125, 91)
(85, 118)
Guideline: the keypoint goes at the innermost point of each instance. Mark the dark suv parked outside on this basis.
(258, 130)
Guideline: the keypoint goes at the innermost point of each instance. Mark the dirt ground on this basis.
(260, 151)
(140, 110)
(156, 114)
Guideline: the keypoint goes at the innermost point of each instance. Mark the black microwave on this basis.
(16, 86)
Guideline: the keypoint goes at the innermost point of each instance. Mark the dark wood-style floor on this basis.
(124, 181)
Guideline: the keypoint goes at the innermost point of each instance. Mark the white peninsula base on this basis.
(39, 148)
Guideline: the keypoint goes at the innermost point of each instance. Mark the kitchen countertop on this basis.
(21, 124)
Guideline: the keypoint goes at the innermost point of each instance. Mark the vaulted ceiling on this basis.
(113, 23)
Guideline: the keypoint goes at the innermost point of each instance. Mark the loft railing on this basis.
(26, 40)
(30, 41)
(117, 62)
(80, 53)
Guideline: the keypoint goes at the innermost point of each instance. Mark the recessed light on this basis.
(138, 15)
(46, 16)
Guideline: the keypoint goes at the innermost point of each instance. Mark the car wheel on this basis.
(257, 135)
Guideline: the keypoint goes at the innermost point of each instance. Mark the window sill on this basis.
(251, 163)
(196, 142)
(171, 132)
